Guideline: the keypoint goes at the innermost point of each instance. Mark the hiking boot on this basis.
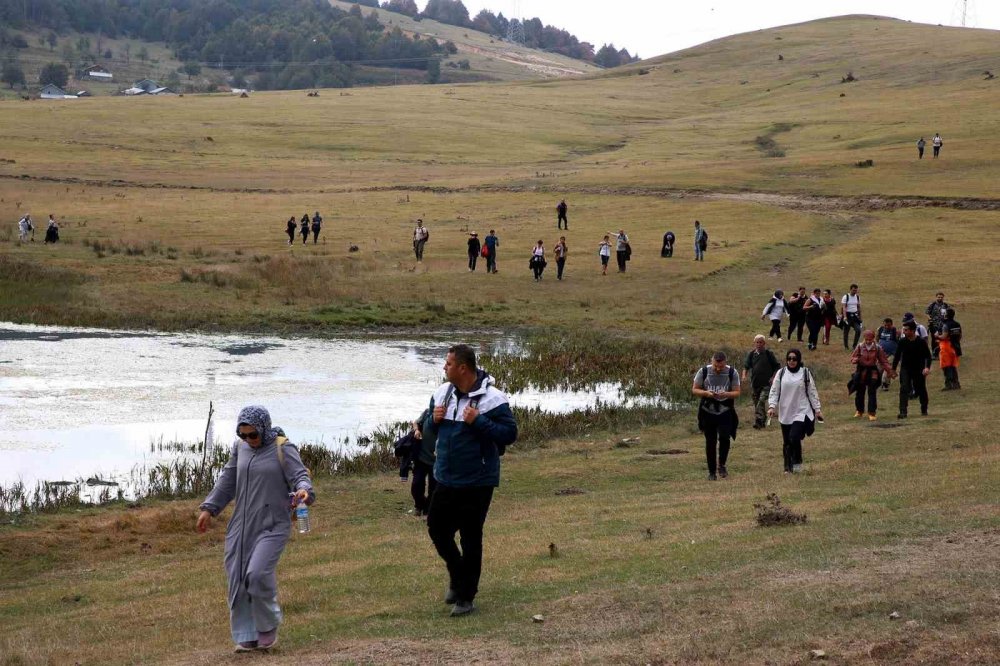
(712, 477)
(451, 596)
(858, 415)
(901, 415)
(872, 417)
(267, 639)
(247, 646)
(462, 608)
(723, 472)
(923, 412)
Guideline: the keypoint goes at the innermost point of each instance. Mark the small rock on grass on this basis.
(817, 654)
(537, 619)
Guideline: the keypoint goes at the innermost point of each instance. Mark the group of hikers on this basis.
(616, 242)
(936, 144)
(304, 226)
(26, 230)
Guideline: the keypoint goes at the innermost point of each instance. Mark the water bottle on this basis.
(302, 517)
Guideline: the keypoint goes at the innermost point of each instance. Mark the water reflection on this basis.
(75, 402)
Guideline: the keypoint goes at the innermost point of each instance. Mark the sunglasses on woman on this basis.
(793, 358)
(248, 435)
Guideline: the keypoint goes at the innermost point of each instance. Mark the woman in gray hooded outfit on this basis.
(259, 478)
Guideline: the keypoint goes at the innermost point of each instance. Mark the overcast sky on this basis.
(655, 27)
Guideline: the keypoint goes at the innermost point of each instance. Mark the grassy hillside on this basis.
(174, 213)
(488, 58)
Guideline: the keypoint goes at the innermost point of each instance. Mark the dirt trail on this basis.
(827, 203)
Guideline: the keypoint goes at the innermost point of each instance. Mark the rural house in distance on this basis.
(52, 91)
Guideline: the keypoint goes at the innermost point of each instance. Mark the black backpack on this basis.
(703, 243)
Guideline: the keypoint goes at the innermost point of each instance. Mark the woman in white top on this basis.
(605, 251)
(538, 260)
(795, 400)
(775, 310)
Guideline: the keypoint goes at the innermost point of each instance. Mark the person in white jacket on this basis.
(795, 400)
(775, 310)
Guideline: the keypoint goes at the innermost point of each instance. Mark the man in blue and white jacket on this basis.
(473, 425)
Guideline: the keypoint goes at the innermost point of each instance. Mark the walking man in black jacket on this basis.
(915, 358)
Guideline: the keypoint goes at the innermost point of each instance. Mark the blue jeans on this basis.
(699, 254)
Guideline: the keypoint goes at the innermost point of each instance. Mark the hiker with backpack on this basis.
(700, 241)
(775, 310)
(796, 313)
(604, 252)
(420, 237)
(913, 358)
(304, 228)
(416, 454)
(850, 315)
(668, 245)
(475, 249)
(795, 401)
(265, 476)
(869, 362)
(561, 215)
(24, 228)
(812, 311)
(473, 425)
(829, 315)
(718, 386)
(52, 231)
(760, 365)
(949, 338)
(537, 262)
(561, 250)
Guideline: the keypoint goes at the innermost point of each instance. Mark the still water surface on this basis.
(79, 402)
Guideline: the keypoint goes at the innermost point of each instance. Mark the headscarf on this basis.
(798, 356)
(259, 418)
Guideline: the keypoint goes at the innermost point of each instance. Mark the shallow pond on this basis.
(80, 402)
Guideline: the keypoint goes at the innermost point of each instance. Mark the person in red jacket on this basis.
(869, 361)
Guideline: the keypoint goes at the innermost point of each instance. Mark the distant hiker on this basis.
(623, 250)
(561, 212)
(795, 401)
(668, 244)
(491, 243)
(936, 143)
(317, 225)
(290, 228)
(25, 228)
(869, 362)
(950, 350)
(52, 231)
(888, 339)
(263, 471)
(475, 247)
(718, 385)
(700, 241)
(920, 148)
(420, 237)
(913, 359)
(796, 313)
(560, 251)
(813, 313)
(304, 228)
(537, 263)
(936, 313)
(775, 310)
(416, 453)
(922, 331)
(472, 425)
(604, 250)
(759, 366)
(829, 315)
(850, 312)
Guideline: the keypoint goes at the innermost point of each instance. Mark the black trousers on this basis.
(491, 262)
(909, 383)
(316, 231)
(422, 486)
(853, 324)
(871, 386)
(714, 435)
(920, 153)
(473, 258)
(560, 265)
(775, 331)
(937, 149)
(461, 510)
(815, 326)
(562, 219)
(621, 260)
(791, 443)
(291, 236)
(795, 323)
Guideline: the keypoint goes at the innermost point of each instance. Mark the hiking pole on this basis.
(204, 450)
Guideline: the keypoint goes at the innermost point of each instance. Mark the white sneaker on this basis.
(796, 469)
